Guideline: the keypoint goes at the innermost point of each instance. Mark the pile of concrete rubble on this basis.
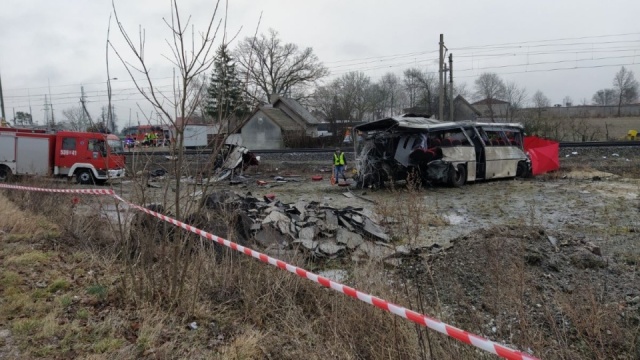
(318, 230)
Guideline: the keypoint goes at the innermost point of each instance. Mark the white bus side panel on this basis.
(502, 161)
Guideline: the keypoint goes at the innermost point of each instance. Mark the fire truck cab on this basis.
(89, 157)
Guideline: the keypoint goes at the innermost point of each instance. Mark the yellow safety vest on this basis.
(338, 159)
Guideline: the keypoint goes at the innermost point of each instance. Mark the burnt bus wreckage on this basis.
(438, 152)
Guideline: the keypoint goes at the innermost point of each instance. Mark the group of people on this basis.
(150, 139)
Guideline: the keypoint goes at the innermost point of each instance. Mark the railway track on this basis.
(590, 144)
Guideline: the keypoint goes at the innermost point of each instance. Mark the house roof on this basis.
(192, 120)
(464, 101)
(281, 119)
(298, 109)
(488, 101)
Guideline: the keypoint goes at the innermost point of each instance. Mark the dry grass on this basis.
(64, 297)
(74, 289)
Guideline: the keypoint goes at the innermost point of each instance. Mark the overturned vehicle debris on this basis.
(437, 152)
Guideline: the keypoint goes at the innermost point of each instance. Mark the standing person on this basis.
(339, 164)
(154, 139)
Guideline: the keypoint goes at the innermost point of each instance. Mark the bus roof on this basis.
(409, 122)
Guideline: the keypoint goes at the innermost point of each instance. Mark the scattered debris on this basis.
(158, 173)
(319, 231)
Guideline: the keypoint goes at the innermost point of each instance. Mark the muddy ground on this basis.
(595, 196)
(550, 261)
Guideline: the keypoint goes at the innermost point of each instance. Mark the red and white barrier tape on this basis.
(466, 337)
(64, 191)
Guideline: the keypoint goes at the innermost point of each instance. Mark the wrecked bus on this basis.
(437, 152)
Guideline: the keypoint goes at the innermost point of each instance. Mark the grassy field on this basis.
(584, 129)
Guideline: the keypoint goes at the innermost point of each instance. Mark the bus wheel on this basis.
(523, 170)
(84, 177)
(458, 176)
(5, 173)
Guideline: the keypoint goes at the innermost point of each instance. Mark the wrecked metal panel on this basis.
(401, 122)
(406, 145)
(502, 161)
(501, 168)
(458, 154)
(438, 171)
(234, 159)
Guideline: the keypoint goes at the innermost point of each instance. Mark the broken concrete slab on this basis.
(351, 239)
(375, 230)
(275, 216)
(283, 226)
(267, 236)
(307, 233)
(330, 247)
(301, 207)
(345, 222)
(374, 251)
(331, 220)
(306, 243)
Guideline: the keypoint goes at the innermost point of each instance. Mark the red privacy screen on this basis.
(544, 154)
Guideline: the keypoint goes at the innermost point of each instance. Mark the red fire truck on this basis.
(89, 157)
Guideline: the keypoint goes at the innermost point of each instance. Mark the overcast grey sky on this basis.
(561, 47)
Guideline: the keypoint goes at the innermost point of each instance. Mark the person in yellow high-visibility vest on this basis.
(339, 163)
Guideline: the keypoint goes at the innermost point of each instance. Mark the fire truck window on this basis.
(68, 144)
(95, 145)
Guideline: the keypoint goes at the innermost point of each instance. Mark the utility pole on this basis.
(53, 119)
(30, 109)
(2, 119)
(46, 113)
(441, 73)
(84, 107)
(451, 87)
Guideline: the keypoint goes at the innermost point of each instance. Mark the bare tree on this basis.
(460, 88)
(604, 97)
(421, 87)
(191, 59)
(490, 87)
(75, 119)
(516, 97)
(540, 101)
(273, 67)
(191, 56)
(626, 87)
(567, 100)
(349, 97)
(412, 84)
(392, 94)
(355, 94)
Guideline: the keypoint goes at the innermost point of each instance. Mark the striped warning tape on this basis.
(461, 335)
(64, 191)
